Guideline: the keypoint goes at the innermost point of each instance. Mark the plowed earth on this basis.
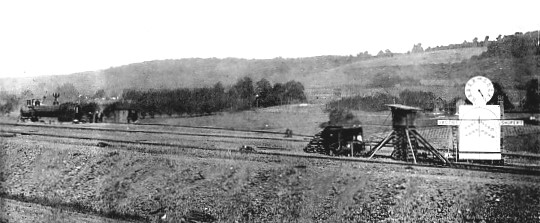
(212, 186)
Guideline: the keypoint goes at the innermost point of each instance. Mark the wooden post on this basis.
(385, 140)
(455, 141)
(410, 145)
(501, 104)
(429, 147)
(339, 141)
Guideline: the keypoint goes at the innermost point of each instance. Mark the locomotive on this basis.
(65, 112)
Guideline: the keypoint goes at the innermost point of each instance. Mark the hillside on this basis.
(428, 57)
(511, 61)
(416, 66)
(193, 72)
(446, 80)
(313, 72)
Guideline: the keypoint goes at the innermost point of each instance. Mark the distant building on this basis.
(439, 105)
(122, 114)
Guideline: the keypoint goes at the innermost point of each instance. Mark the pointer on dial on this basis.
(483, 86)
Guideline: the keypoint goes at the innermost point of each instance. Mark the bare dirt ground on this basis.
(211, 186)
(16, 211)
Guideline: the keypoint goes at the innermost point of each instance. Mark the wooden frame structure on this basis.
(406, 140)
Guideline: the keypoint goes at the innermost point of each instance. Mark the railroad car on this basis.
(338, 140)
(66, 112)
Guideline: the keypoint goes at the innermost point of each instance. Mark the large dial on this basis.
(479, 132)
(479, 90)
(480, 122)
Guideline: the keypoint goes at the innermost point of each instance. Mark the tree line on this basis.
(428, 100)
(378, 101)
(243, 95)
(340, 110)
(518, 45)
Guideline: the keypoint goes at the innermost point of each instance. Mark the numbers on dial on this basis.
(480, 122)
(479, 90)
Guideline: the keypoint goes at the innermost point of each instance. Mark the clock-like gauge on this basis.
(479, 90)
(481, 122)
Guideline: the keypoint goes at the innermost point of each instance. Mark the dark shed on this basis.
(403, 115)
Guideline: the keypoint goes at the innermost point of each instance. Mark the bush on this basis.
(8, 102)
(523, 143)
(419, 99)
(373, 103)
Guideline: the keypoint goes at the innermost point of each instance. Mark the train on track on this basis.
(65, 112)
(36, 110)
(338, 140)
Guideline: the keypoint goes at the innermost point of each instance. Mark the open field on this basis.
(254, 188)
(301, 119)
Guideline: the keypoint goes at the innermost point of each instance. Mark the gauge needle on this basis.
(481, 94)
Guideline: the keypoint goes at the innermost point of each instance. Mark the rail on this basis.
(155, 132)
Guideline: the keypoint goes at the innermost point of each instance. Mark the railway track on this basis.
(216, 128)
(195, 127)
(515, 155)
(153, 132)
(274, 151)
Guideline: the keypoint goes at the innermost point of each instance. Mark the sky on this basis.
(56, 37)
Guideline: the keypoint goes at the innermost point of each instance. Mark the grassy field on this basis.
(301, 119)
(256, 188)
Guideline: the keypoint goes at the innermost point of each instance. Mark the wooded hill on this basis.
(313, 72)
(181, 73)
(442, 70)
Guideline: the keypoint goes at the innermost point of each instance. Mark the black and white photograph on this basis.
(269, 111)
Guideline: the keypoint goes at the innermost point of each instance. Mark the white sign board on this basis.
(501, 122)
(479, 132)
(512, 122)
(448, 122)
